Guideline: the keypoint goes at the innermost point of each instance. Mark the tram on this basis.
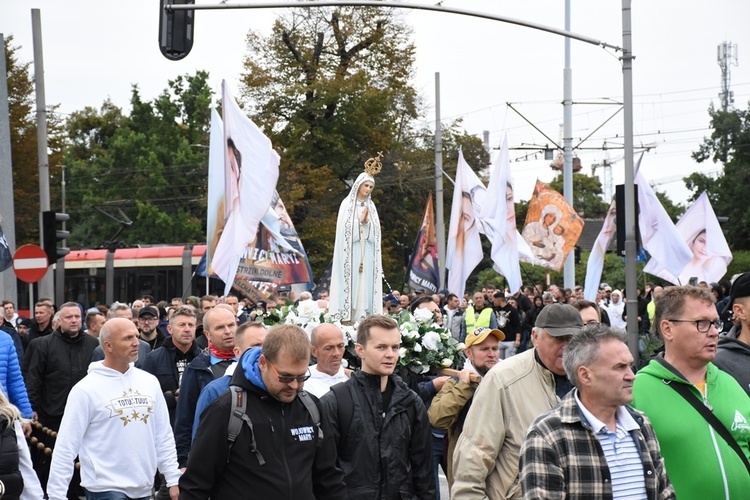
(99, 276)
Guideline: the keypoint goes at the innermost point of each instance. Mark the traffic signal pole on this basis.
(46, 285)
(8, 286)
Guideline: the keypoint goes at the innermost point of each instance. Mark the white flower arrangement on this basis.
(425, 345)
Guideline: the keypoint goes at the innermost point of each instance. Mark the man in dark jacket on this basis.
(380, 426)
(168, 362)
(59, 361)
(733, 354)
(220, 324)
(41, 326)
(148, 325)
(284, 452)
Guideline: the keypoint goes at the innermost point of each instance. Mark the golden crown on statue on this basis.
(373, 165)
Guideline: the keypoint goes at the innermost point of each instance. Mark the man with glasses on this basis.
(281, 449)
(148, 321)
(700, 462)
(380, 426)
(590, 313)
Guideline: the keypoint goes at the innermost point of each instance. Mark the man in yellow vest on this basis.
(478, 314)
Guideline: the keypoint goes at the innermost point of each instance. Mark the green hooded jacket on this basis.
(700, 464)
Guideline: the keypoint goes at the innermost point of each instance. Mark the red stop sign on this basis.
(30, 263)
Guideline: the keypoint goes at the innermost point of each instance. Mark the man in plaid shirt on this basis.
(592, 445)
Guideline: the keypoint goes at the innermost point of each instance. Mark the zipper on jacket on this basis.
(283, 453)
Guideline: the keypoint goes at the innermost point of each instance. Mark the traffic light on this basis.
(175, 30)
(723, 220)
(52, 235)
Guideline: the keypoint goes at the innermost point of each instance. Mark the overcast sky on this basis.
(95, 49)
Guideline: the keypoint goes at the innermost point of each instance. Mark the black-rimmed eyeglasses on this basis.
(702, 325)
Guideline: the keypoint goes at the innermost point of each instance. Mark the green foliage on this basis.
(331, 87)
(587, 195)
(23, 145)
(150, 167)
(674, 210)
(729, 144)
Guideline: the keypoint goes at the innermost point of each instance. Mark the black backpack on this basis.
(238, 415)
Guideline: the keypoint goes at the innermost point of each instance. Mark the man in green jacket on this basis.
(700, 463)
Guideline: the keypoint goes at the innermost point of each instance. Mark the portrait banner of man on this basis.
(552, 227)
(276, 255)
(251, 169)
(423, 270)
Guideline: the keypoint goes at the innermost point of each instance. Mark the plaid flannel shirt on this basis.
(562, 458)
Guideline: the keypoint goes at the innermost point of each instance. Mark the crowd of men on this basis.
(201, 400)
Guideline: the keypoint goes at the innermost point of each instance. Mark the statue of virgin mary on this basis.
(356, 275)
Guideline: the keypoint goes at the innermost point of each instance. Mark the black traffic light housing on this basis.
(175, 29)
(52, 235)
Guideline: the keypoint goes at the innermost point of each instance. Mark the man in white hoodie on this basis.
(115, 411)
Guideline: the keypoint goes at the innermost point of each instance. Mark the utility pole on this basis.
(8, 283)
(439, 215)
(569, 275)
(46, 286)
(727, 55)
(631, 278)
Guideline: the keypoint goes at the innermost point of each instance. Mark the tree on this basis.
(728, 144)
(23, 145)
(587, 195)
(149, 167)
(331, 87)
(674, 210)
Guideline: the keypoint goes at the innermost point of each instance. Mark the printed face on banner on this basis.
(268, 258)
(552, 227)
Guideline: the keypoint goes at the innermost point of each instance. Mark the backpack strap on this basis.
(706, 412)
(344, 408)
(218, 369)
(314, 412)
(238, 415)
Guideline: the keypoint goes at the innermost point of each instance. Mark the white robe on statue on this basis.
(357, 272)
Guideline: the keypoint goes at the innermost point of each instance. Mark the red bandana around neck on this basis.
(220, 353)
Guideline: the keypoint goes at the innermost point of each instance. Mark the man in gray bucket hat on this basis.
(511, 396)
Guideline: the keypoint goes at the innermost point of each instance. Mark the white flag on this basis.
(215, 214)
(700, 230)
(464, 246)
(658, 233)
(595, 263)
(499, 217)
(251, 169)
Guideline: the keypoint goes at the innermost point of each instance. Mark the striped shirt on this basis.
(622, 456)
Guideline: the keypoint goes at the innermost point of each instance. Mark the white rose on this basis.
(460, 346)
(402, 352)
(417, 347)
(344, 363)
(430, 340)
(446, 362)
(422, 315)
(308, 309)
